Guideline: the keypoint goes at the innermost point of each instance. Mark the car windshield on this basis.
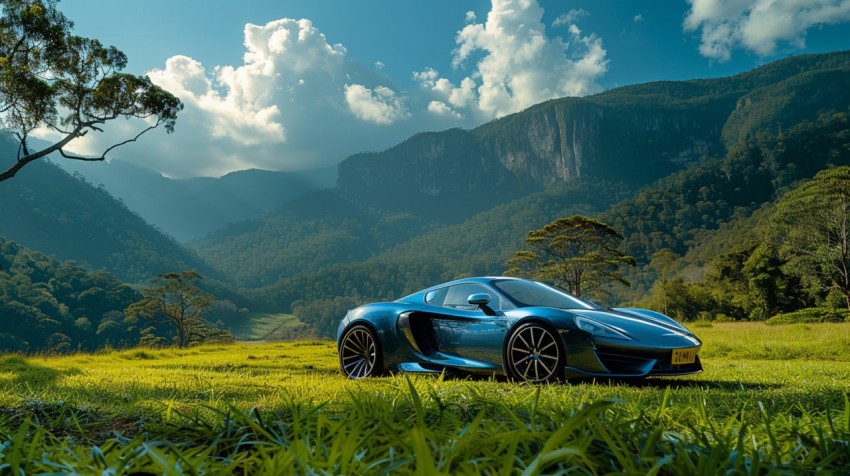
(534, 294)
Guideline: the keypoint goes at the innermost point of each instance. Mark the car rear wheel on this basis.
(359, 355)
(534, 354)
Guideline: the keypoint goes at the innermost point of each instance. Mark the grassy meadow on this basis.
(262, 326)
(773, 399)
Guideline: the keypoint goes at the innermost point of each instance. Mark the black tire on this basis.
(360, 353)
(534, 354)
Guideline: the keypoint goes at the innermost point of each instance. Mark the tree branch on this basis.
(11, 171)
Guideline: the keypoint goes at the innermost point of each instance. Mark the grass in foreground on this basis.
(285, 409)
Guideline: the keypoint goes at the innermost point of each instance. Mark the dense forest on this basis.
(59, 306)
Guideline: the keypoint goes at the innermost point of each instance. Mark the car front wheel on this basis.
(359, 354)
(534, 354)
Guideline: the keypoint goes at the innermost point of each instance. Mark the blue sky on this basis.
(299, 84)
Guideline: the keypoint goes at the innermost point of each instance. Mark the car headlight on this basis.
(599, 329)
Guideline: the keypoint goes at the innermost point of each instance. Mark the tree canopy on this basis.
(578, 252)
(52, 306)
(51, 79)
(176, 301)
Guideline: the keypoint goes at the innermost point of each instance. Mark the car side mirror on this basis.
(478, 299)
(482, 300)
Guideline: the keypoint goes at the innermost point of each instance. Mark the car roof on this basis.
(474, 279)
(477, 279)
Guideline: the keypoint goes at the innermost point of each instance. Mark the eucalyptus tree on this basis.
(812, 226)
(70, 86)
(174, 300)
(577, 253)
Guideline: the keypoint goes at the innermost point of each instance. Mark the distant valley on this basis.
(183, 207)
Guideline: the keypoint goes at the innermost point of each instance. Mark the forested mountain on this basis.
(182, 207)
(47, 209)
(718, 205)
(673, 212)
(318, 229)
(712, 207)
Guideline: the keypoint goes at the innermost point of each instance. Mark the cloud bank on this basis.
(515, 63)
(759, 26)
(295, 102)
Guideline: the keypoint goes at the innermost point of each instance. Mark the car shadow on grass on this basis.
(648, 382)
(672, 383)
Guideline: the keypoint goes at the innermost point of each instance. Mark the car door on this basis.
(464, 330)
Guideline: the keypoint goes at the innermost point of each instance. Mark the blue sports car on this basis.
(525, 330)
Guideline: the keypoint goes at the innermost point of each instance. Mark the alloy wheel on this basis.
(534, 354)
(358, 353)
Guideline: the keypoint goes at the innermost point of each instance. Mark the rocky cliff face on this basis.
(450, 174)
(634, 143)
(633, 135)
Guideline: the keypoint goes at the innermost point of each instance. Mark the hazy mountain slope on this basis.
(46, 209)
(445, 176)
(483, 242)
(182, 207)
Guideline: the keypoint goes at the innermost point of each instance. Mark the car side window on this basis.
(458, 296)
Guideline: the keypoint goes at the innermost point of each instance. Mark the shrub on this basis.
(809, 315)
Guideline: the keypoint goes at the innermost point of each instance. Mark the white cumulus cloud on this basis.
(442, 109)
(516, 64)
(379, 105)
(250, 121)
(759, 25)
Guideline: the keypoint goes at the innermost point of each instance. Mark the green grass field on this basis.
(773, 399)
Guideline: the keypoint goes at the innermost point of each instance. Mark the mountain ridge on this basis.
(659, 126)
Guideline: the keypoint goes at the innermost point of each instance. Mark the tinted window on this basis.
(458, 296)
(533, 294)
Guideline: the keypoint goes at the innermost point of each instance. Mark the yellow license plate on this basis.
(684, 356)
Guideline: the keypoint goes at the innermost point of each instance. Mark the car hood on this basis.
(642, 327)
